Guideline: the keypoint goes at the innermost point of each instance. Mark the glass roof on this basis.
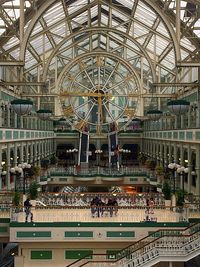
(130, 29)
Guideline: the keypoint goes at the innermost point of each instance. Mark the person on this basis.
(147, 206)
(110, 206)
(27, 209)
(151, 205)
(115, 205)
(93, 206)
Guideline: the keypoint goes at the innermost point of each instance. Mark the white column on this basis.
(197, 170)
(21, 160)
(8, 167)
(15, 154)
(31, 153)
(0, 167)
(189, 169)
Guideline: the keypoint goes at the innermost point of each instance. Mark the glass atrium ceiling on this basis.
(58, 32)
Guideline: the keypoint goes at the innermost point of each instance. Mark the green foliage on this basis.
(159, 169)
(53, 160)
(166, 189)
(45, 163)
(36, 171)
(16, 199)
(33, 190)
(142, 158)
(179, 198)
(151, 164)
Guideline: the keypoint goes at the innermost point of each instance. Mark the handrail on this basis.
(138, 243)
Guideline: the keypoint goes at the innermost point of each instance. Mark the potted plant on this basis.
(16, 203)
(166, 189)
(180, 198)
(16, 199)
(33, 192)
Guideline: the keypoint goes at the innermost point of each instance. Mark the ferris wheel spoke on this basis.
(93, 85)
(82, 85)
(112, 103)
(82, 105)
(89, 111)
(116, 85)
(110, 114)
(110, 75)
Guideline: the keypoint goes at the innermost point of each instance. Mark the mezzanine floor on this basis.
(123, 215)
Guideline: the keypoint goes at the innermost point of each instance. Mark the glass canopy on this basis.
(57, 41)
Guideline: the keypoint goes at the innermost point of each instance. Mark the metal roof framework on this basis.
(159, 39)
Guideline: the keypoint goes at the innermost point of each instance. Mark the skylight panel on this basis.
(187, 44)
(12, 42)
(54, 15)
(104, 19)
(138, 30)
(83, 17)
(29, 57)
(15, 53)
(37, 29)
(145, 15)
(76, 6)
(127, 3)
(119, 15)
(132, 45)
(162, 29)
(184, 54)
(168, 64)
(197, 28)
(60, 30)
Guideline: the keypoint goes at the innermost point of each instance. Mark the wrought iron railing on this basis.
(172, 243)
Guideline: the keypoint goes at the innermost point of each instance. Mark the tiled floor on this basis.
(84, 215)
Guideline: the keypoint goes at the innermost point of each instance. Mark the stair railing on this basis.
(146, 249)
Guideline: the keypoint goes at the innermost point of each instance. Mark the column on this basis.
(15, 120)
(198, 116)
(15, 154)
(26, 153)
(165, 154)
(197, 169)
(180, 180)
(1, 114)
(21, 160)
(35, 153)
(170, 152)
(8, 167)
(0, 169)
(175, 153)
(40, 155)
(31, 152)
(189, 169)
(8, 116)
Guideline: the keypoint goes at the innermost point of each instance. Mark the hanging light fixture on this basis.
(154, 114)
(178, 106)
(22, 106)
(44, 114)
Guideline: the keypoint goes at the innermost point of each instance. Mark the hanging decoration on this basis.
(44, 114)
(154, 114)
(178, 106)
(22, 106)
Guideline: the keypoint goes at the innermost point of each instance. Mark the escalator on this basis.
(7, 255)
(83, 149)
(113, 150)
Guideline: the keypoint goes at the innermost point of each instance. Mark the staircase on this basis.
(161, 246)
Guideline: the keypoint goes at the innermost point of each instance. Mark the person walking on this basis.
(27, 209)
